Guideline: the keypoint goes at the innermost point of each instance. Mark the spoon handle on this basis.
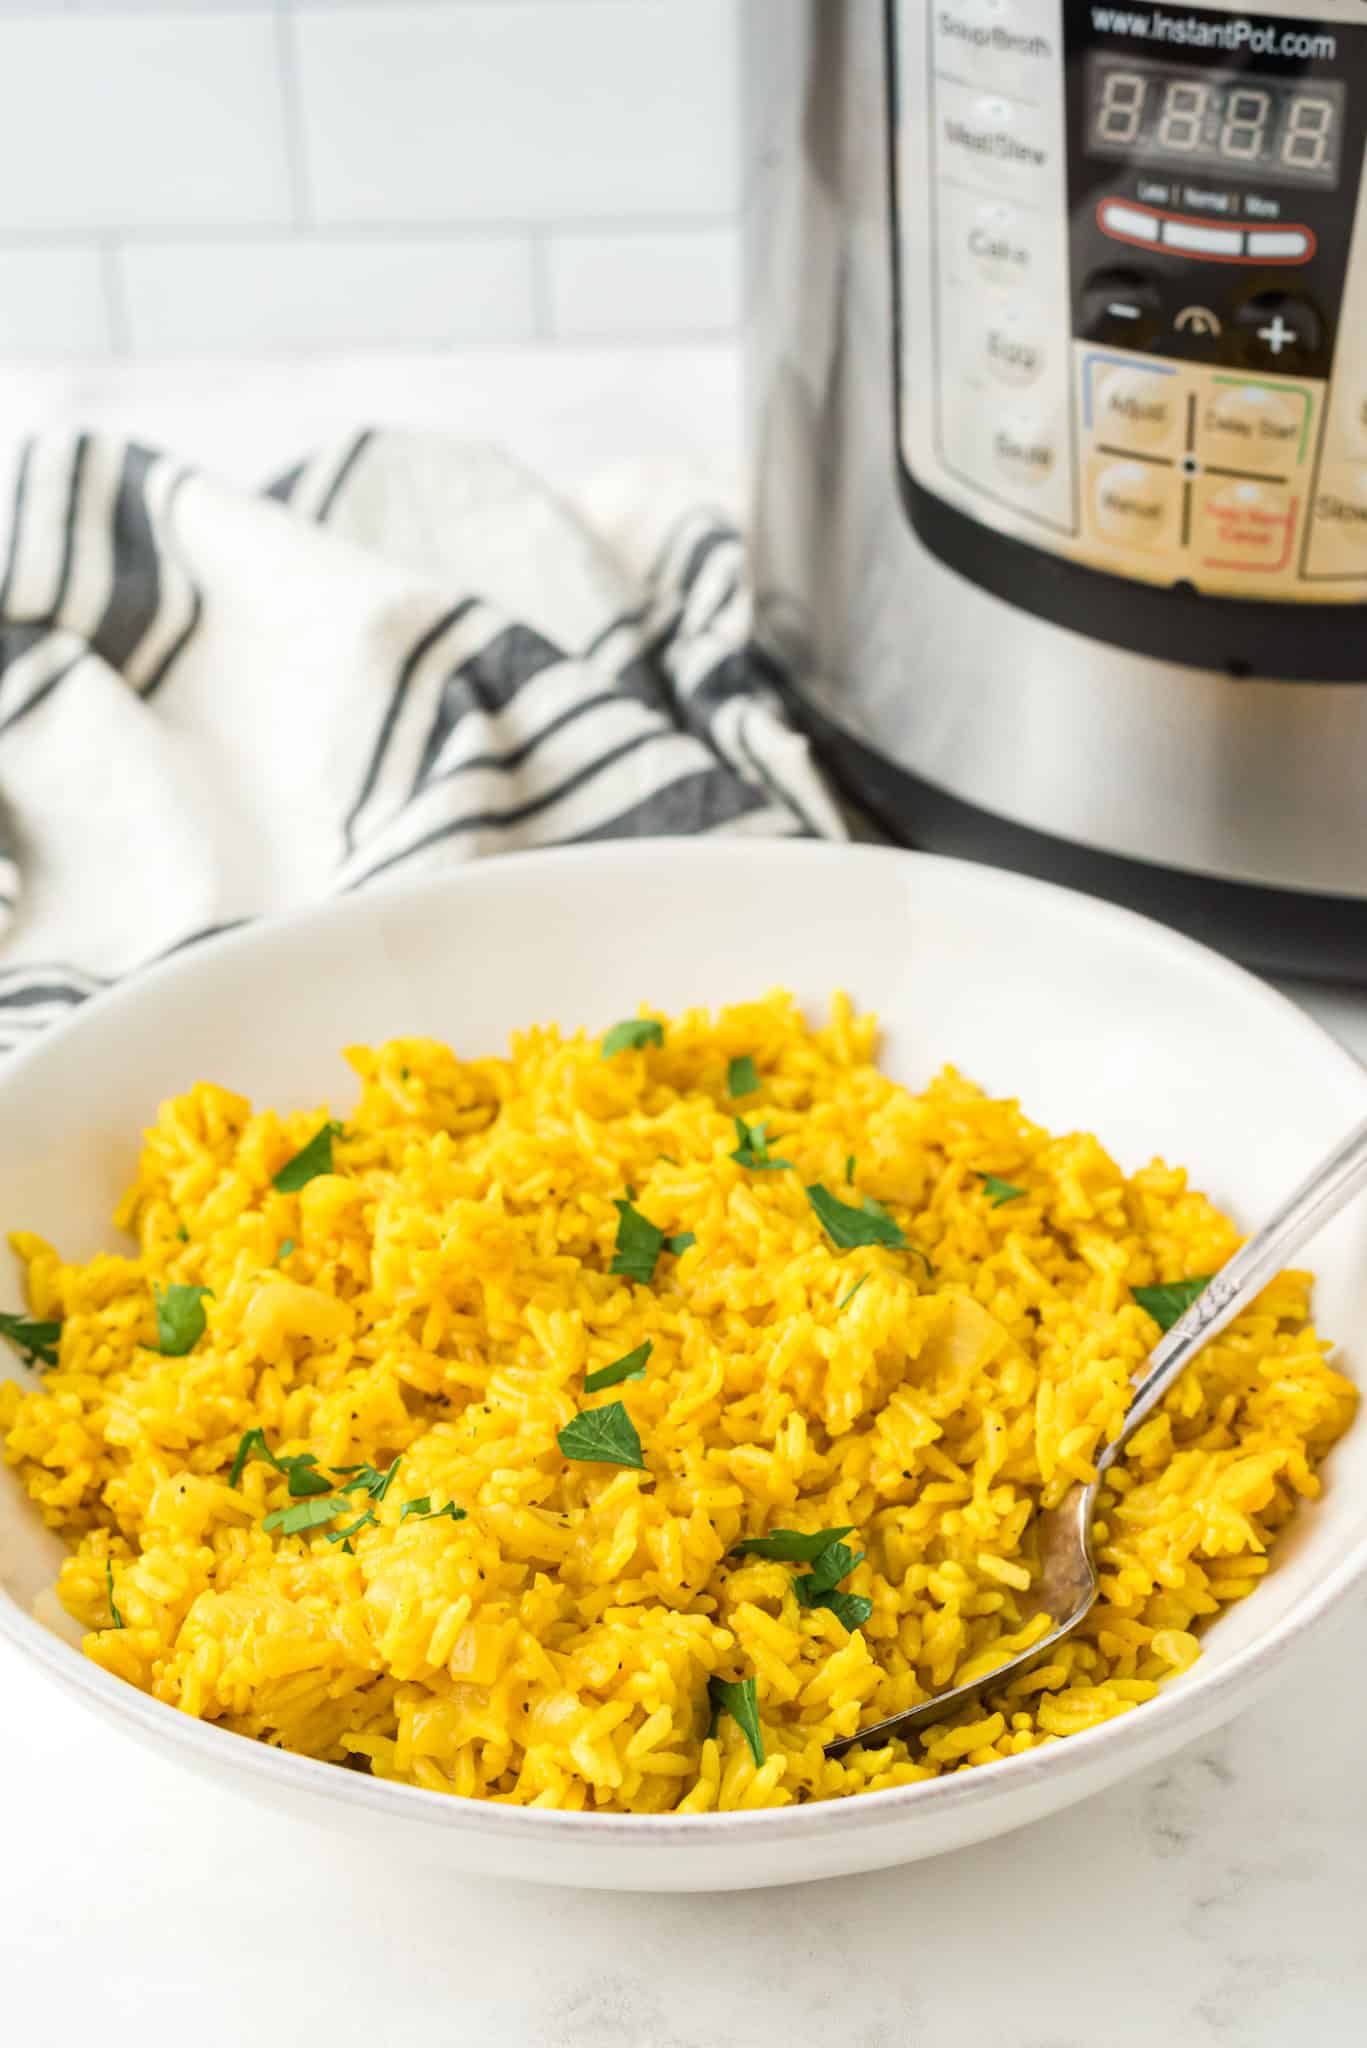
(1320, 1195)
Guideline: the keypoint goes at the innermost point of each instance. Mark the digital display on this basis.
(1275, 128)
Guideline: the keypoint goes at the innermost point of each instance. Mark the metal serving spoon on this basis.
(1067, 1586)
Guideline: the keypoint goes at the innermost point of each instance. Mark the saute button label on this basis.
(1023, 449)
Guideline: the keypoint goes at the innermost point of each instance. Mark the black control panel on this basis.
(1213, 170)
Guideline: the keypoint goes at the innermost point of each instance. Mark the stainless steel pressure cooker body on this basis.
(1057, 331)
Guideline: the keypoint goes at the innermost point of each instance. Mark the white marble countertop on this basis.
(1216, 1900)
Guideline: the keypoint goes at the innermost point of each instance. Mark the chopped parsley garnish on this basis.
(752, 1149)
(183, 1234)
(287, 1246)
(1166, 1303)
(631, 1034)
(999, 1191)
(640, 1242)
(367, 1479)
(305, 1514)
(845, 1301)
(847, 1227)
(306, 1165)
(742, 1076)
(180, 1318)
(37, 1342)
(817, 1588)
(366, 1521)
(304, 1478)
(793, 1546)
(109, 1583)
(602, 1436)
(849, 1170)
(631, 1367)
(738, 1700)
(422, 1511)
(252, 1445)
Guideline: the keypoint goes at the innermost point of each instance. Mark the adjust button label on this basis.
(1136, 408)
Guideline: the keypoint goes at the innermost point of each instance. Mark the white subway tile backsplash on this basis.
(52, 302)
(522, 110)
(644, 284)
(314, 292)
(145, 120)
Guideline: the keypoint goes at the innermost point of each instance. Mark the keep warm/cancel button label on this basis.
(1338, 534)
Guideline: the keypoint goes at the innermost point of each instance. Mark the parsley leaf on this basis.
(1165, 1304)
(752, 1150)
(287, 1246)
(183, 1234)
(847, 1299)
(109, 1583)
(631, 1034)
(602, 1436)
(37, 1341)
(180, 1318)
(792, 1546)
(830, 1565)
(742, 1076)
(366, 1521)
(847, 1227)
(738, 1700)
(306, 1165)
(367, 1479)
(423, 1511)
(999, 1191)
(631, 1367)
(305, 1514)
(304, 1479)
(851, 1610)
(817, 1588)
(253, 1445)
(640, 1242)
(849, 1169)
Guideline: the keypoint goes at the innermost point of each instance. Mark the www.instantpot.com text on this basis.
(1238, 34)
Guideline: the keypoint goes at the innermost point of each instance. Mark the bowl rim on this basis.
(1207, 1695)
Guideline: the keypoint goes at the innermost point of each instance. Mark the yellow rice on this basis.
(450, 1288)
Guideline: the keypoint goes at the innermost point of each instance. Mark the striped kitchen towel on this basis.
(406, 653)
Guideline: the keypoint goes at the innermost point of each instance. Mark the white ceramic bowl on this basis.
(1095, 1018)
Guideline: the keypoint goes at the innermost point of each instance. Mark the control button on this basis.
(1130, 223)
(1198, 320)
(1196, 239)
(1122, 308)
(1001, 139)
(1338, 523)
(1014, 348)
(1244, 525)
(1280, 331)
(1253, 426)
(1136, 408)
(1279, 245)
(1134, 504)
(997, 41)
(1024, 450)
(999, 243)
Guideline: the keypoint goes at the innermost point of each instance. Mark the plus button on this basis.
(1277, 334)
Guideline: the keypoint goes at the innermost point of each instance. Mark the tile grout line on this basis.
(137, 234)
(543, 321)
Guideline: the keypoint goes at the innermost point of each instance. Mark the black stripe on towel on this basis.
(487, 680)
(135, 594)
(16, 523)
(187, 633)
(344, 474)
(699, 802)
(397, 697)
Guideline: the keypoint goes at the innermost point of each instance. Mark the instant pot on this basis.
(1057, 347)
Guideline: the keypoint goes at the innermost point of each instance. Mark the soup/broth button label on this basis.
(1136, 408)
(1134, 505)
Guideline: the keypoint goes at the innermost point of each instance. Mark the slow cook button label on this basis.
(1338, 534)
